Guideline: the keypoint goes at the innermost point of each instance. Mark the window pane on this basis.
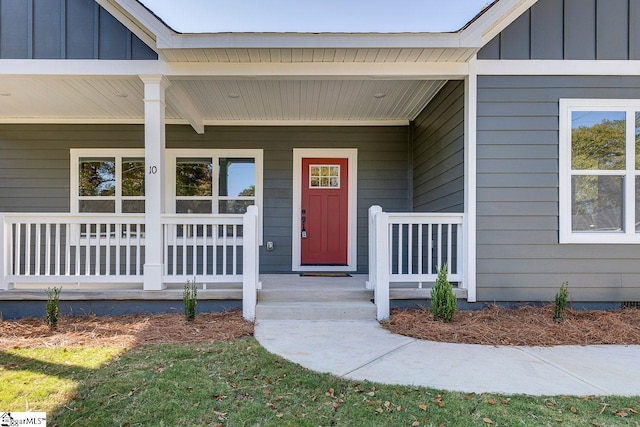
(133, 206)
(596, 203)
(598, 140)
(234, 206)
(193, 206)
(97, 206)
(637, 203)
(194, 177)
(97, 177)
(132, 177)
(237, 177)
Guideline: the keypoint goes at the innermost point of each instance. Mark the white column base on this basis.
(153, 277)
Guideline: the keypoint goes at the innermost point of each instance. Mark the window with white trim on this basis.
(599, 171)
(107, 181)
(215, 181)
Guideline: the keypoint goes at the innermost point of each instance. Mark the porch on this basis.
(103, 257)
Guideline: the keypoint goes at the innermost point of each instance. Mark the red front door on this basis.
(324, 212)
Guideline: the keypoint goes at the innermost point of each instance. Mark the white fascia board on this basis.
(143, 33)
(77, 67)
(315, 70)
(146, 20)
(557, 68)
(494, 20)
(314, 40)
(305, 122)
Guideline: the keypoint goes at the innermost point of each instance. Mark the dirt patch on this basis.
(527, 326)
(123, 331)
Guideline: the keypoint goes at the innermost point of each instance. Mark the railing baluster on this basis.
(204, 249)
(400, 243)
(47, 249)
(409, 248)
(138, 251)
(194, 246)
(128, 250)
(98, 261)
(37, 253)
(165, 248)
(214, 235)
(420, 253)
(58, 249)
(449, 238)
(18, 260)
(430, 250)
(184, 249)
(235, 249)
(224, 250)
(27, 249)
(118, 231)
(174, 233)
(107, 248)
(67, 249)
(439, 246)
(87, 254)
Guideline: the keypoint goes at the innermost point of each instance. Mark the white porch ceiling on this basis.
(97, 100)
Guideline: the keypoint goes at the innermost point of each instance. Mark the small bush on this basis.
(561, 302)
(443, 300)
(52, 308)
(189, 297)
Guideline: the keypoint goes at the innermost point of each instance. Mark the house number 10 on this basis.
(153, 170)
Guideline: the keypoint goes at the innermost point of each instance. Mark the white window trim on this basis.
(352, 233)
(118, 154)
(567, 106)
(170, 177)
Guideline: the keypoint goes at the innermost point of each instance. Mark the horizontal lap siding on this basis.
(571, 29)
(438, 152)
(519, 258)
(34, 168)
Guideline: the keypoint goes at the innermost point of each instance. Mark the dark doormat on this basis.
(325, 275)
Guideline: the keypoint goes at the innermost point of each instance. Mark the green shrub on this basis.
(52, 308)
(561, 302)
(443, 300)
(189, 297)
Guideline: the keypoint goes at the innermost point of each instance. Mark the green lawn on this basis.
(238, 383)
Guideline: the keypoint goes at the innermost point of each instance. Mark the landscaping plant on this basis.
(52, 309)
(561, 302)
(189, 297)
(443, 300)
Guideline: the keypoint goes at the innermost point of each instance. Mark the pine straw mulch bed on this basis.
(526, 326)
(125, 331)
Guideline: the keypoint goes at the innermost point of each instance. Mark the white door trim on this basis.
(352, 238)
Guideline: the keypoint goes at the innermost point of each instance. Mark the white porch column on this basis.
(154, 149)
(469, 227)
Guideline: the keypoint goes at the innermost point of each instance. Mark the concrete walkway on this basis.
(362, 350)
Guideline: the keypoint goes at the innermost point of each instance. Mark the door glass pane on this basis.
(598, 140)
(133, 206)
(193, 206)
(596, 203)
(97, 177)
(97, 206)
(234, 206)
(237, 177)
(194, 177)
(324, 176)
(132, 177)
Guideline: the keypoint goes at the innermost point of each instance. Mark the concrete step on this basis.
(315, 295)
(344, 310)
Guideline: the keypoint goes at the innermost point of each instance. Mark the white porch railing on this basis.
(102, 248)
(411, 248)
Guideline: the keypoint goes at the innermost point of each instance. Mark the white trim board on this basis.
(352, 238)
(470, 184)
(527, 67)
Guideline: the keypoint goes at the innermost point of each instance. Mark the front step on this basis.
(334, 310)
(314, 295)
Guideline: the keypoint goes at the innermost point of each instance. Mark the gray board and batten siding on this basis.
(34, 168)
(65, 29)
(518, 254)
(571, 29)
(438, 152)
